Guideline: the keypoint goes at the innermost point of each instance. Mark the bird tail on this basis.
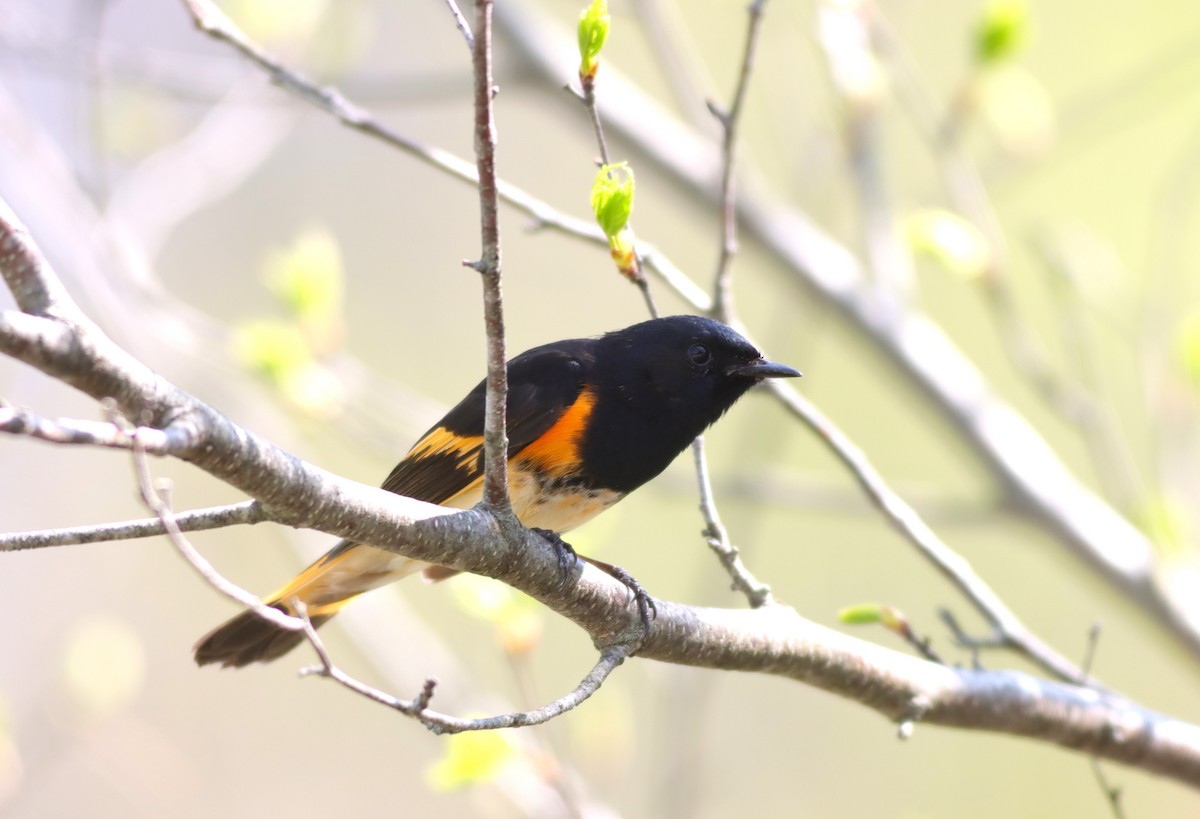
(341, 575)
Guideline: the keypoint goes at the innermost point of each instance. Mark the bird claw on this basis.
(567, 557)
(647, 610)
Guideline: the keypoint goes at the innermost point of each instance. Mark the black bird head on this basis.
(688, 361)
(675, 376)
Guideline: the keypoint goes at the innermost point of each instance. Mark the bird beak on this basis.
(764, 369)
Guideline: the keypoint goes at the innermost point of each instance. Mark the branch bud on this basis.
(593, 31)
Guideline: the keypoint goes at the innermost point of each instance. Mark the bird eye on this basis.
(699, 354)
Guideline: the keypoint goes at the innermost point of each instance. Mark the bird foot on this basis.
(568, 559)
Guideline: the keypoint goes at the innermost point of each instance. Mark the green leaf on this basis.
(887, 616)
(612, 198)
(593, 32)
(862, 614)
(471, 758)
(1001, 31)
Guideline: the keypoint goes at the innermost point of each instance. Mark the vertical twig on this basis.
(495, 437)
(715, 534)
(717, 538)
(587, 95)
(588, 86)
(728, 119)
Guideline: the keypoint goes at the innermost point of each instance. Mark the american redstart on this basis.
(589, 421)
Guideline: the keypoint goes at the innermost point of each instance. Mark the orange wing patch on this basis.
(444, 442)
(557, 449)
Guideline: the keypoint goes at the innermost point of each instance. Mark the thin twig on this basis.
(19, 421)
(463, 25)
(717, 538)
(495, 436)
(1112, 793)
(418, 707)
(728, 120)
(197, 520)
(587, 96)
(972, 643)
(715, 534)
(1089, 653)
(159, 506)
(922, 645)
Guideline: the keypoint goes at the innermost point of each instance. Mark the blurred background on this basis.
(1034, 166)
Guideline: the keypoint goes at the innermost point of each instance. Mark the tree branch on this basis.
(717, 536)
(587, 96)
(463, 26)
(715, 533)
(19, 421)
(728, 120)
(495, 437)
(197, 520)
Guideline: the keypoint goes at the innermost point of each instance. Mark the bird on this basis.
(589, 420)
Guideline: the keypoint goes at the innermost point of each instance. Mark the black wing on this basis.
(543, 383)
